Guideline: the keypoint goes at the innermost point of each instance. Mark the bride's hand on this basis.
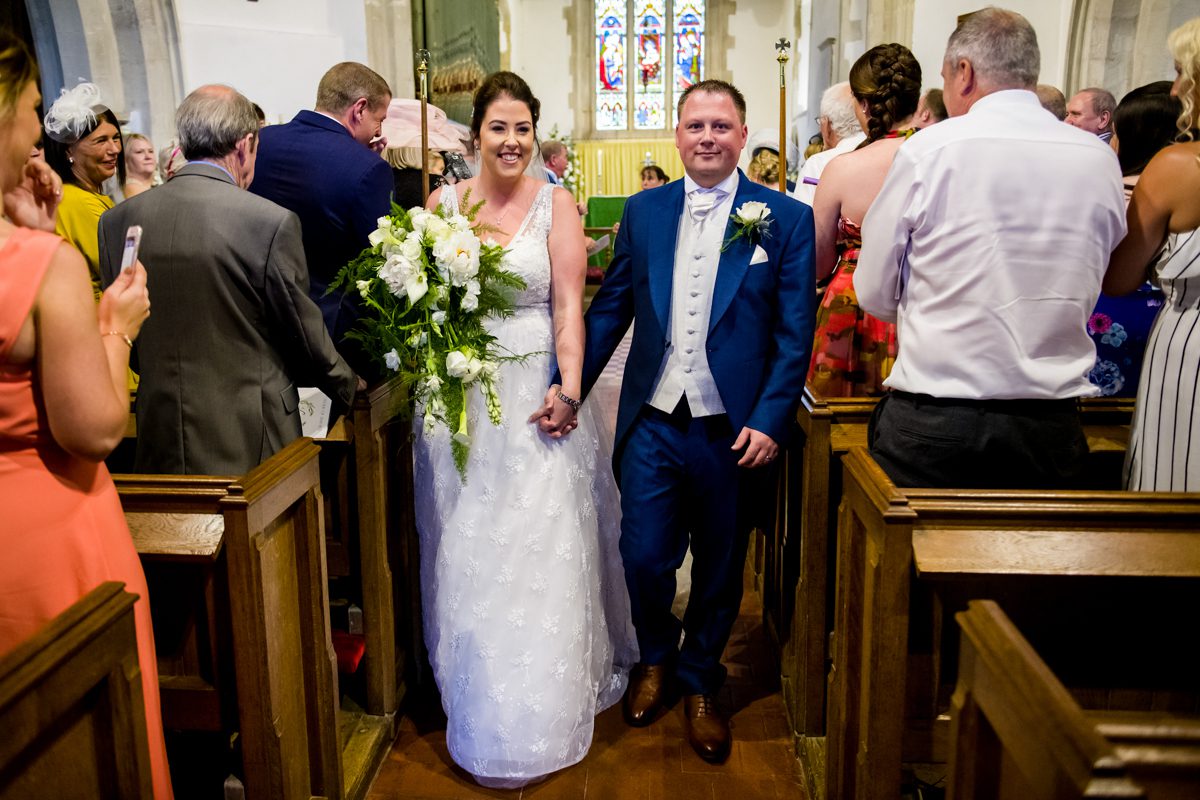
(554, 417)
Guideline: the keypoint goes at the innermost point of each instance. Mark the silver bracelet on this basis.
(572, 402)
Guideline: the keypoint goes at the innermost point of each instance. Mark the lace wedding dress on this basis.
(524, 601)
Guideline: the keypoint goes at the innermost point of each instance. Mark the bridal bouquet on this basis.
(428, 281)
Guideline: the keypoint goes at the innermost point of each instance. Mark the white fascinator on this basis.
(74, 113)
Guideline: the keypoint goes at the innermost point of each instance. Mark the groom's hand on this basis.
(554, 418)
(760, 448)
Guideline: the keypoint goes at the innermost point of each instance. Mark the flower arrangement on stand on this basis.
(428, 281)
(572, 179)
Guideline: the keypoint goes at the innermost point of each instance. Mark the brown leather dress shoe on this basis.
(708, 731)
(645, 695)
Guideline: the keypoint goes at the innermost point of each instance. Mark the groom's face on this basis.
(710, 137)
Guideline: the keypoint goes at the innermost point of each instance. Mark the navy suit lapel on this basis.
(662, 249)
(734, 261)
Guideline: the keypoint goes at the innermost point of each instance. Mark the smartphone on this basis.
(133, 240)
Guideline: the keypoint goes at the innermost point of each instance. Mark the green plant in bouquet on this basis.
(428, 282)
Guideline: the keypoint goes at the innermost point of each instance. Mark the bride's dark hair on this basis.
(888, 77)
(503, 84)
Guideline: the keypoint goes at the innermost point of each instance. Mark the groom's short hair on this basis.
(715, 87)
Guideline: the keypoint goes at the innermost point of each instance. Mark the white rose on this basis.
(410, 248)
(419, 218)
(753, 211)
(436, 228)
(463, 366)
(392, 359)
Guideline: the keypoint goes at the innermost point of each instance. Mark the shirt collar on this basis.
(332, 117)
(725, 187)
(218, 166)
(1005, 96)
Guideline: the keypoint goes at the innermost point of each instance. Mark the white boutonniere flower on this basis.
(751, 222)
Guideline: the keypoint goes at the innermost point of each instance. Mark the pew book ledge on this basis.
(949, 554)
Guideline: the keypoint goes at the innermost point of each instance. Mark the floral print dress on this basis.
(1120, 327)
(852, 351)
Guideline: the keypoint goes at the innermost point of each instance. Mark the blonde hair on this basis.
(764, 167)
(410, 158)
(1184, 44)
(17, 70)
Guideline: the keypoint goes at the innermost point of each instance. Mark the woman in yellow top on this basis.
(83, 145)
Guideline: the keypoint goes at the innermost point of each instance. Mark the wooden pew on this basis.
(71, 706)
(1016, 731)
(799, 562)
(237, 581)
(366, 479)
(971, 541)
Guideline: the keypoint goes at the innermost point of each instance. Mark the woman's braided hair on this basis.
(888, 78)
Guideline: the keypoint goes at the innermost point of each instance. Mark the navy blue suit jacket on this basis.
(314, 167)
(761, 326)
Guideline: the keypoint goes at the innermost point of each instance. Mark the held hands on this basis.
(760, 448)
(125, 304)
(33, 203)
(554, 417)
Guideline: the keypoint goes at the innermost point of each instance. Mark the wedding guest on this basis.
(402, 129)
(1164, 216)
(140, 165)
(991, 307)
(83, 145)
(930, 110)
(841, 132)
(1052, 99)
(526, 615)
(653, 176)
(721, 331)
(170, 160)
(324, 165)
(852, 351)
(234, 332)
(763, 167)
(554, 156)
(63, 407)
(1091, 110)
(1143, 124)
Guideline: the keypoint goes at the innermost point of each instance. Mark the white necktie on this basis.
(700, 203)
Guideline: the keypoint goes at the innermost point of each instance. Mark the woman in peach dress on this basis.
(63, 405)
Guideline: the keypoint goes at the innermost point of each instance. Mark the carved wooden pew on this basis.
(893, 545)
(71, 706)
(1016, 731)
(237, 583)
(798, 585)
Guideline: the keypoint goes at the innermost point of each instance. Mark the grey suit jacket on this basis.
(232, 331)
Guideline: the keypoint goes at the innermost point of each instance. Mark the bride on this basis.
(525, 608)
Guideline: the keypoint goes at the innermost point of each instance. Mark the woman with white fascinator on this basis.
(83, 145)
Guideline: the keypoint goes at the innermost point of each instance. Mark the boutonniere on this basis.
(751, 222)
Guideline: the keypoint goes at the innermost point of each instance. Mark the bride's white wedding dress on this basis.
(525, 608)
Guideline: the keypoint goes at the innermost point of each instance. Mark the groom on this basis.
(720, 350)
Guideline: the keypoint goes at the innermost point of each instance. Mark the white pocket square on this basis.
(760, 255)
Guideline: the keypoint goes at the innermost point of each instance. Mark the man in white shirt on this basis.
(987, 245)
(841, 133)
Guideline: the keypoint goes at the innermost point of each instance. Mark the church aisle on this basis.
(626, 763)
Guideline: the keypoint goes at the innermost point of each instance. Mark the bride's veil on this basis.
(537, 165)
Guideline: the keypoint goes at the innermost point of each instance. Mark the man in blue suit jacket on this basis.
(715, 373)
(325, 166)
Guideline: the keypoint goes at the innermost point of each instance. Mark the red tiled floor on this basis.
(653, 763)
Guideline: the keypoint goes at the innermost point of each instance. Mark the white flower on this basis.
(392, 359)
(752, 212)
(457, 256)
(364, 287)
(464, 366)
(396, 272)
(418, 339)
(470, 300)
(382, 233)
(419, 217)
(459, 223)
(410, 248)
(431, 385)
(416, 285)
(439, 317)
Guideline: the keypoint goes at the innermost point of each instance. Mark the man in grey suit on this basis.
(234, 330)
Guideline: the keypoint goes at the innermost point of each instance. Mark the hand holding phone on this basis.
(133, 240)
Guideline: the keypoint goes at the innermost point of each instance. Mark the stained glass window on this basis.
(663, 43)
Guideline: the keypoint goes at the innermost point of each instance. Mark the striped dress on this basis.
(1164, 450)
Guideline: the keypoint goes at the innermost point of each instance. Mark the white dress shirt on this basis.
(987, 245)
(817, 162)
(684, 369)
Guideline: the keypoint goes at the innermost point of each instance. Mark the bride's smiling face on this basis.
(506, 138)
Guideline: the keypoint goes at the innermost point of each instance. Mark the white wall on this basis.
(934, 21)
(539, 50)
(272, 51)
(754, 27)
